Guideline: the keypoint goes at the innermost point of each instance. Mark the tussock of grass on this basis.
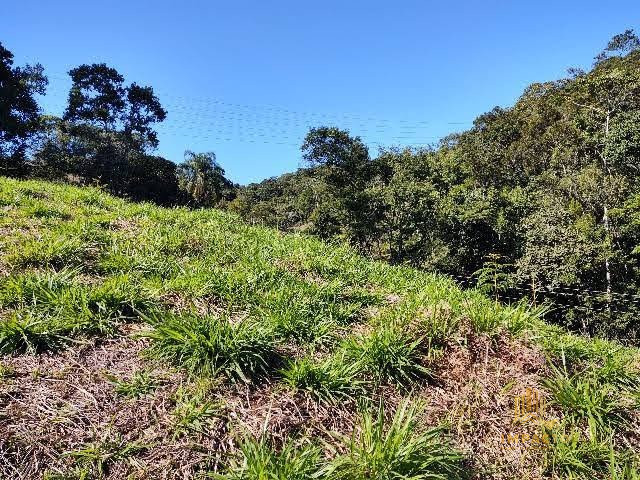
(572, 456)
(49, 306)
(584, 398)
(330, 380)
(94, 460)
(396, 449)
(210, 345)
(258, 460)
(27, 334)
(389, 353)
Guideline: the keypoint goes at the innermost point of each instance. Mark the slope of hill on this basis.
(142, 342)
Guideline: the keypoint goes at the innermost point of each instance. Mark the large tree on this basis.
(19, 111)
(346, 168)
(99, 98)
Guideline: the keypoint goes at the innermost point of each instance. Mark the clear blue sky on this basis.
(246, 79)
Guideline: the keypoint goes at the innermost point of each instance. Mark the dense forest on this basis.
(538, 201)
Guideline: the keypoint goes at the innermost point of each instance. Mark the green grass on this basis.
(25, 333)
(141, 383)
(257, 459)
(251, 309)
(331, 380)
(586, 398)
(194, 411)
(389, 354)
(396, 449)
(243, 351)
(95, 459)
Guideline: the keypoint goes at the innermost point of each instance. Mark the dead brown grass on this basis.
(55, 405)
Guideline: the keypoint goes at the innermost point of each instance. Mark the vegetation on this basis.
(538, 200)
(280, 356)
(140, 341)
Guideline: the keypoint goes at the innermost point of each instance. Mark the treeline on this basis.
(105, 137)
(541, 200)
(538, 201)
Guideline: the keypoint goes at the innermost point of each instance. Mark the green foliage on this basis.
(397, 448)
(141, 383)
(95, 459)
(586, 398)
(258, 460)
(215, 344)
(571, 456)
(203, 180)
(331, 380)
(535, 199)
(193, 413)
(390, 354)
(19, 111)
(24, 333)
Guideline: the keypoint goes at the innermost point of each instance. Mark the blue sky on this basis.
(246, 79)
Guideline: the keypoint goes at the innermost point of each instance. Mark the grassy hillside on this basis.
(142, 342)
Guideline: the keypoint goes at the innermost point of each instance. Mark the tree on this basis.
(599, 99)
(99, 98)
(19, 111)
(346, 168)
(96, 96)
(203, 180)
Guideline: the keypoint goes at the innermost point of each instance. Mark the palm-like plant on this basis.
(202, 179)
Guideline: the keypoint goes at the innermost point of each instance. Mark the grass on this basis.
(257, 459)
(253, 313)
(586, 398)
(141, 383)
(574, 457)
(24, 333)
(396, 449)
(94, 460)
(331, 380)
(389, 353)
(242, 351)
(194, 412)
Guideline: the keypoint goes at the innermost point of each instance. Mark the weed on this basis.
(389, 353)
(98, 456)
(583, 397)
(140, 383)
(23, 333)
(258, 460)
(193, 413)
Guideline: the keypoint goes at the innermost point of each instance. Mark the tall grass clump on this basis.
(583, 397)
(213, 344)
(389, 353)
(259, 460)
(571, 456)
(395, 449)
(330, 380)
(24, 333)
